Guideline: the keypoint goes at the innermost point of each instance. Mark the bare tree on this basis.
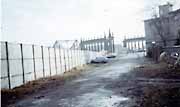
(161, 27)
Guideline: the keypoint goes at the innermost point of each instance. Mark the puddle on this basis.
(80, 80)
(41, 101)
(100, 98)
(89, 85)
(115, 71)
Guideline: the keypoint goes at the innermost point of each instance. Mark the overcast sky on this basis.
(44, 21)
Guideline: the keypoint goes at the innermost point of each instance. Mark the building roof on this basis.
(175, 12)
(66, 44)
(170, 13)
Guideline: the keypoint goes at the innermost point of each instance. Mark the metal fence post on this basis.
(64, 60)
(8, 70)
(76, 58)
(34, 62)
(42, 51)
(68, 60)
(55, 59)
(60, 58)
(80, 56)
(75, 53)
(22, 60)
(72, 59)
(49, 60)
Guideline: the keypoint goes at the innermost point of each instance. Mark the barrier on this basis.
(21, 63)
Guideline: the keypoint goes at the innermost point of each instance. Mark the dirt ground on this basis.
(9, 97)
(127, 81)
(150, 85)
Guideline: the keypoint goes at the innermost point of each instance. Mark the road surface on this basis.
(95, 88)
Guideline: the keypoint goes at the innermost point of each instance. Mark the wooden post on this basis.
(22, 60)
(7, 59)
(34, 63)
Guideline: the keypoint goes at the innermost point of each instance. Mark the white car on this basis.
(100, 59)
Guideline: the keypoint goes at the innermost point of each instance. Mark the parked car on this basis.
(100, 59)
(112, 55)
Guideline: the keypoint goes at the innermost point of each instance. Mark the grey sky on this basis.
(44, 21)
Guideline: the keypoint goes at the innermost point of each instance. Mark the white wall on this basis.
(56, 61)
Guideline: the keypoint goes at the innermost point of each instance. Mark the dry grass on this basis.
(152, 67)
(156, 70)
(161, 95)
(146, 93)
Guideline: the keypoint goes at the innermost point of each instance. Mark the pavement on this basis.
(103, 86)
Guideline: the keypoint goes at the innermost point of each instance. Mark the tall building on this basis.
(164, 29)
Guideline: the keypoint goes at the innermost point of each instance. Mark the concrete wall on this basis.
(21, 63)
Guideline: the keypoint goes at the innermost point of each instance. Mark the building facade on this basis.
(99, 44)
(163, 30)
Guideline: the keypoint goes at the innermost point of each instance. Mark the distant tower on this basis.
(124, 42)
(104, 35)
(110, 42)
(165, 9)
(110, 33)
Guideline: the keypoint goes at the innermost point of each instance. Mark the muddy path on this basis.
(106, 85)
